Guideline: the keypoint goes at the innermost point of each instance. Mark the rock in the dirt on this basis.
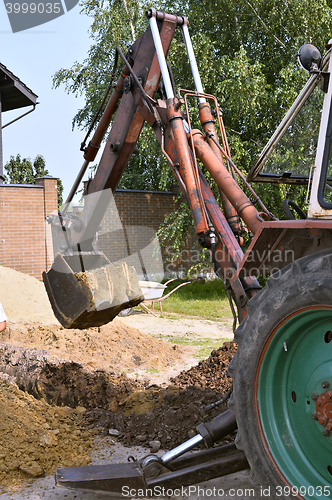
(33, 469)
(154, 446)
(140, 438)
(48, 439)
(79, 410)
(114, 432)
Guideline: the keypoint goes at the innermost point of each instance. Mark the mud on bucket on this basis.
(92, 297)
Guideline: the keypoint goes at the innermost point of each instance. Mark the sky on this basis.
(34, 55)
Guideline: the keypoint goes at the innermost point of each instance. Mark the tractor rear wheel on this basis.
(282, 375)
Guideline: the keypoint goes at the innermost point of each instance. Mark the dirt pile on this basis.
(114, 347)
(211, 372)
(36, 438)
(81, 367)
(170, 415)
(24, 298)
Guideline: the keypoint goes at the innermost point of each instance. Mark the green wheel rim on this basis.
(295, 367)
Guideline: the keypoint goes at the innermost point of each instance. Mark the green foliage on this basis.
(176, 228)
(246, 53)
(203, 299)
(24, 171)
(60, 193)
(199, 289)
(178, 232)
(148, 168)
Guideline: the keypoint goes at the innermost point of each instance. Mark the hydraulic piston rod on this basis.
(161, 57)
(192, 61)
(209, 432)
(182, 448)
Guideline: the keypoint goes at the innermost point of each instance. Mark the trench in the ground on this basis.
(139, 413)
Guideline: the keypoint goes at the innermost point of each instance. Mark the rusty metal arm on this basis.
(227, 252)
(207, 122)
(227, 183)
(126, 128)
(147, 61)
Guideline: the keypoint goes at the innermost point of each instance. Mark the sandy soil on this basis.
(131, 345)
(113, 347)
(127, 344)
(35, 437)
(24, 298)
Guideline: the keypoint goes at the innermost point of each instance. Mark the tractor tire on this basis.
(281, 374)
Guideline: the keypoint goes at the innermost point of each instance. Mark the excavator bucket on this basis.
(90, 291)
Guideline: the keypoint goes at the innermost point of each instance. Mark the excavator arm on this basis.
(284, 332)
(81, 281)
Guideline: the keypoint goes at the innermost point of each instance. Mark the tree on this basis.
(246, 52)
(24, 171)
(247, 58)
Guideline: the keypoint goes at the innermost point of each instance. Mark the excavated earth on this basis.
(170, 415)
(59, 387)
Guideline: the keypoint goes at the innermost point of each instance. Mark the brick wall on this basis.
(131, 222)
(145, 208)
(24, 237)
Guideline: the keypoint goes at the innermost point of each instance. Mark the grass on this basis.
(204, 300)
(205, 345)
(152, 370)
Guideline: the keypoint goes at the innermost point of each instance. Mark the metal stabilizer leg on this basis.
(148, 476)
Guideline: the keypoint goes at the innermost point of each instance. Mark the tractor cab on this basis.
(298, 153)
